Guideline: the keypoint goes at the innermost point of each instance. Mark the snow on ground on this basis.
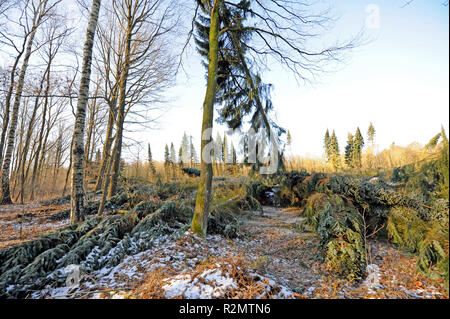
(212, 283)
(181, 257)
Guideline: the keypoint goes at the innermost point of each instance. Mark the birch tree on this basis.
(77, 195)
(40, 10)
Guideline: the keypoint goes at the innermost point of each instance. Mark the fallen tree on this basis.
(345, 209)
(138, 218)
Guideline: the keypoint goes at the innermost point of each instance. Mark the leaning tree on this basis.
(238, 37)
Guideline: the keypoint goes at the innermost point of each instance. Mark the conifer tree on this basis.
(223, 40)
(192, 152)
(334, 151)
(348, 151)
(371, 134)
(185, 146)
(173, 154)
(233, 158)
(173, 159)
(289, 138)
(358, 143)
(166, 160)
(326, 146)
(180, 156)
(150, 161)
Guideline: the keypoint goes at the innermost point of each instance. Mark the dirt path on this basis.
(283, 246)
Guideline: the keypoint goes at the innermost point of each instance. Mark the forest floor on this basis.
(20, 223)
(276, 255)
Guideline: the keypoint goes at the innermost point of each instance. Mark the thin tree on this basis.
(144, 23)
(348, 156)
(77, 195)
(358, 143)
(173, 159)
(335, 152)
(40, 12)
(150, 162)
(166, 160)
(326, 146)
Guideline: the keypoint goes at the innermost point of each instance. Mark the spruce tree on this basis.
(150, 162)
(173, 159)
(240, 92)
(326, 146)
(173, 154)
(358, 143)
(334, 151)
(371, 134)
(166, 160)
(289, 138)
(180, 156)
(348, 151)
(185, 146)
(192, 152)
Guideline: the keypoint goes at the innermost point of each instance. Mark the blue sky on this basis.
(399, 81)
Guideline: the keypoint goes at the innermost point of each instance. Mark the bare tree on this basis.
(40, 11)
(145, 22)
(77, 198)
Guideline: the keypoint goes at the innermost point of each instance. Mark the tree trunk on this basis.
(28, 136)
(121, 109)
(77, 196)
(8, 103)
(106, 151)
(200, 219)
(6, 192)
(34, 176)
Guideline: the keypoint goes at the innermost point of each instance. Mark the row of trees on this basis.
(33, 141)
(223, 154)
(353, 149)
(126, 66)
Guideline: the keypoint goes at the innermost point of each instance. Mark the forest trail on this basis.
(286, 246)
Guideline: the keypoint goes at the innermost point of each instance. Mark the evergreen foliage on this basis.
(235, 94)
(348, 151)
(150, 161)
(371, 134)
(166, 160)
(357, 146)
(192, 153)
(335, 154)
(326, 146)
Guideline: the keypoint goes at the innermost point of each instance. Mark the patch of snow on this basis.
(214, 284)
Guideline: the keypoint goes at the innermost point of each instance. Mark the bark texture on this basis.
(202, 204)
(77, 200)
